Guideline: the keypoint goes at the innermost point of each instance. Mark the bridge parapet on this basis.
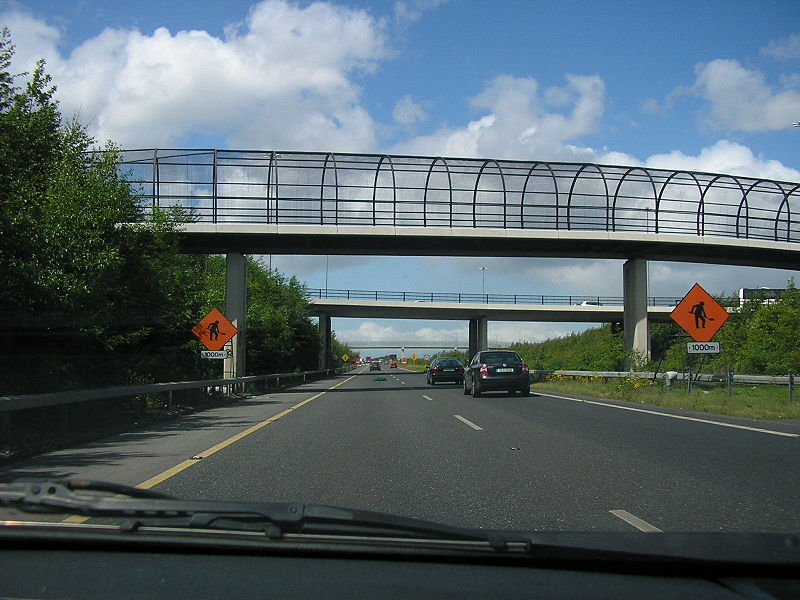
(467, 298)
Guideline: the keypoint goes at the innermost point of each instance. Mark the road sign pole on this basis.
(730, 381)
(689, 382)
(791, 386)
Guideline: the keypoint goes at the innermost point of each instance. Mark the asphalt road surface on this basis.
(387, 441)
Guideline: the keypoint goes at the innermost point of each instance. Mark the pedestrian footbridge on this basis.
(273, 202)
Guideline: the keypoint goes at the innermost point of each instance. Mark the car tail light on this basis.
(459, 368)
(435, 369)
(525, 369)
(484, 369)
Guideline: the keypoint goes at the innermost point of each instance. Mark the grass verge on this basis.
(761, 402)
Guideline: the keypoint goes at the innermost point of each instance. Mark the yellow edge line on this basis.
(153, 481)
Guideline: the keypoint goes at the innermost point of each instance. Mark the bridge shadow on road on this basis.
(138, 444)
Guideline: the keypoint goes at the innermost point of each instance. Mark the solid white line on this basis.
(427, 397)
(467, 422)
(671, 416)
(640, 524)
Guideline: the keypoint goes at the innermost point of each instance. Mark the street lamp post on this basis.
(483, 280)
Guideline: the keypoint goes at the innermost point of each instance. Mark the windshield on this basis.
(235, 243)
(496, 358)
(446, 362)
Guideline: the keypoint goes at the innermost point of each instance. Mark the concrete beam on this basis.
(266, 238)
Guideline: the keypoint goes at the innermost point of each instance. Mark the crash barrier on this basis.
(689, 377)
(26, 419)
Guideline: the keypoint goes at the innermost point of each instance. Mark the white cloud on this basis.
(675, 279)
(741, 100)
(284, 78)
(410, 11)
(33, 39)
(311, 269)
(368, 331)
(498, 332)
(530, 332)
(785, 49)
(440, 334)
(725, 157)
(516, 122)
(406, 111)
(285, 65)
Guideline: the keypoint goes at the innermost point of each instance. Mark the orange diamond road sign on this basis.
(214, 330)
(699, 314)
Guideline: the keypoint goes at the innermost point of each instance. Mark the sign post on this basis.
(701, 316)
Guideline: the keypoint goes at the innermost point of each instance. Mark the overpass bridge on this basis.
(402, 305)
(273, 202)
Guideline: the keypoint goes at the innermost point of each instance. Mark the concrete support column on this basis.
(236, 311)
(483, 334)
(324, 342)
(473, 338)
(637, 328)
(478, 335)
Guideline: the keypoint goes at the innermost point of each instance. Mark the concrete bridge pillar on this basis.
(478, 337)
(324, 342)
(636, 325)
(236, 312)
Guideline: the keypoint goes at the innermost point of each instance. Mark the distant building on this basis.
(767, 295)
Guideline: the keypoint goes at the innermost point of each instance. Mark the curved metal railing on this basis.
(243, 186)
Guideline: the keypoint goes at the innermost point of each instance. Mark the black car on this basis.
(445, 369)
(374, 366)
(496, 370)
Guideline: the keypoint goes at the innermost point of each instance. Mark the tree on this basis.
(75, 285)
(94, 289)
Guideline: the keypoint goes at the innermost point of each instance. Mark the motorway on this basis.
(387, 441)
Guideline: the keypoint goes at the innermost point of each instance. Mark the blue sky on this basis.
(704, 85)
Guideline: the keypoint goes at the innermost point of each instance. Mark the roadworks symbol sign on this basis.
(700, 315)
(214, 330)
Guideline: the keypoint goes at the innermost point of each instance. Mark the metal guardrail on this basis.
(459, 298)
(30, 401)
(676, 376)
(243, 186)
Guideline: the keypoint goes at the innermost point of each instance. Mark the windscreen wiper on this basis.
(139, 507)
(146, 509)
